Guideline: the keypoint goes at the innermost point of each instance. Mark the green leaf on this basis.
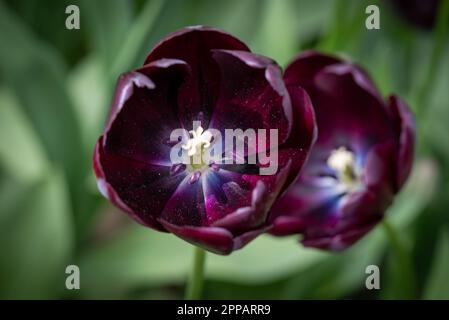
(414, 198)
(416, 194)
(47, 20)
(21, 152)
(11, 193)
(433, 123)
(136, 258)
(311, 18)
(87, 85)
(142, 257)
(36, 242)
(441, 33)
(346, 26)
(240, 18)
(400, 275)
(108, 23)
(333, 39)
(437, 286)
(265, 259)
(135, 39)
(35, 72)
(276, 37)
(339, 274)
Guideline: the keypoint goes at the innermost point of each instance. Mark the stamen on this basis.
(177, 168)
(195, 177)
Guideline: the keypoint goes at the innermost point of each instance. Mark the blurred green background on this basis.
(55, 89)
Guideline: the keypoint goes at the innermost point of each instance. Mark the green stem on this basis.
(196, 279)
(402, 263)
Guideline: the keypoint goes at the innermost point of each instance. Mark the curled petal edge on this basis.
(139, 78)
(339, 241)
(214, 239)
(407, 129)
(174, 36)
(256, 214)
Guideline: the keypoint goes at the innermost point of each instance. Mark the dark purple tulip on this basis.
(206, 75)
(362, 157)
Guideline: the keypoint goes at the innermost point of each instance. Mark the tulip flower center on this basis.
(200, 140)
(343, 162)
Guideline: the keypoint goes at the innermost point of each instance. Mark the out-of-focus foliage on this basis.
(55, 89)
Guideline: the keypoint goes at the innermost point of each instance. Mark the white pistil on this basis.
(343, 162)
(200, 139)
(340, 159)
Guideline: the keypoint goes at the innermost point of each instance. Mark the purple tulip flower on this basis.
(206, 76)
(363, 155)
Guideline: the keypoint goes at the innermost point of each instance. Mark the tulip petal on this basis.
(144, 112)
(244, 209)
(348, 111)
(252, 95)
(186, 204)
(127, 184)
(358, 214)
(407, 128)
(217, 240)
(246, 217)
(243, 239)
(286, 225)
(303, 69)
(380, 169)
(193, 45)
(303, 134)
(338, 242)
